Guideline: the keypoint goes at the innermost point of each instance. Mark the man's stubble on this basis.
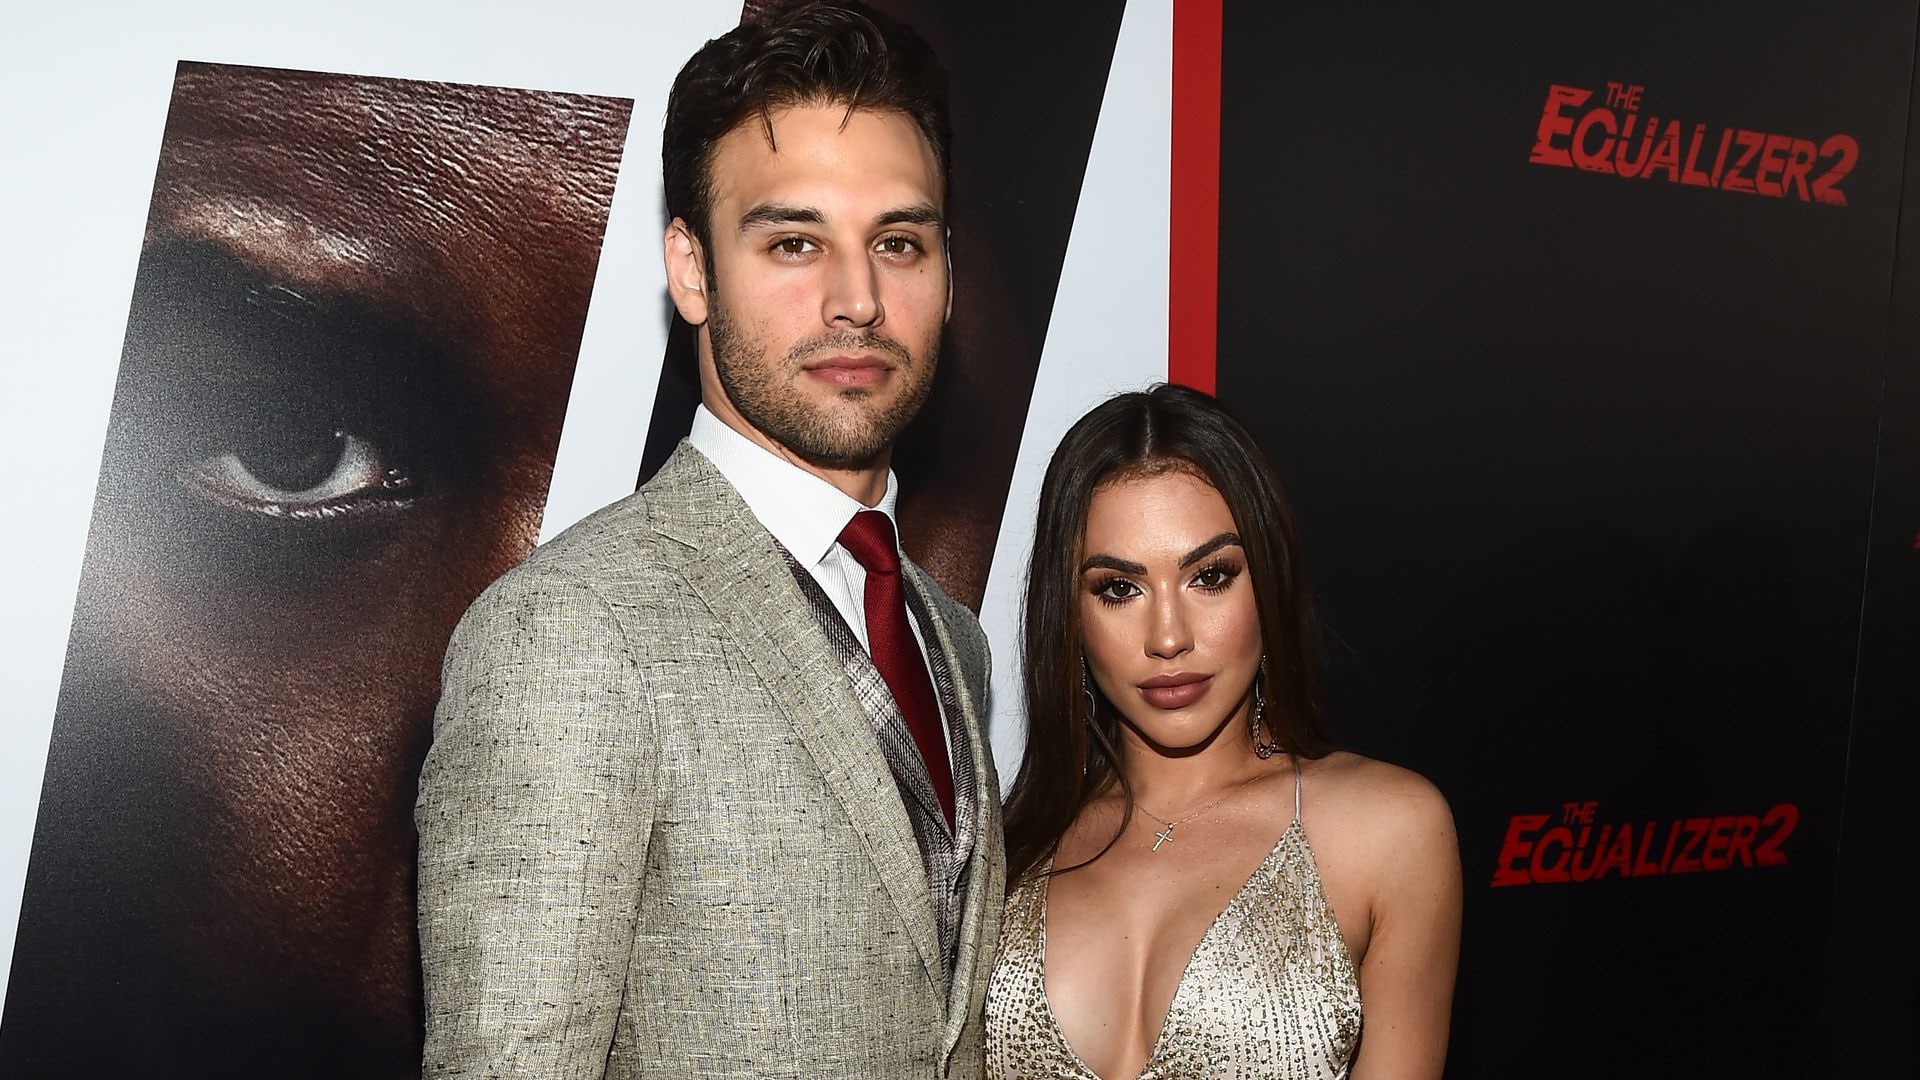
(851, 437)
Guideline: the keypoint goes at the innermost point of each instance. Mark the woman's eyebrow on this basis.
(1225, 539)
(1109, 562)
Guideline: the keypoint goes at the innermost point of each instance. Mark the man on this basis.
(708, 794)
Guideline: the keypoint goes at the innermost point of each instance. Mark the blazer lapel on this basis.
(870, 689)
(743, 578)
(983, 887)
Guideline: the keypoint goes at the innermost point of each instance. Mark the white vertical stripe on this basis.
(626, 333)
(1109, 326)
(624, 342)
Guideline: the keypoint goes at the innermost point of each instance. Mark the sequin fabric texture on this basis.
(1270, 993)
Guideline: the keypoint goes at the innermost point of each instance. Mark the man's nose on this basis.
(852, 294)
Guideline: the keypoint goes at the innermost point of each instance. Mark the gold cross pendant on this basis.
(1164, 836)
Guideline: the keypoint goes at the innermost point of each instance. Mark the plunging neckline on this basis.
(1180, 985)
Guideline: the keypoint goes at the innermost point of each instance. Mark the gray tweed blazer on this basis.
(658, 835)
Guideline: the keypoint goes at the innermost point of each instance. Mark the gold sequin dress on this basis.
(1269, 994)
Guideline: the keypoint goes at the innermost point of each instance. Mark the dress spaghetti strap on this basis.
(1294, 760)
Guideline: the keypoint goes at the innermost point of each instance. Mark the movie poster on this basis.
(352, 333)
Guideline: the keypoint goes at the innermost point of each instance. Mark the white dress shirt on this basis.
(805, 514)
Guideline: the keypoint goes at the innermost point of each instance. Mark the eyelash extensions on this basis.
(1224, 572)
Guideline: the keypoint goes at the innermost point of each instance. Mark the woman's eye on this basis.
(313, 475)
(1214, 578)
(1114, 590)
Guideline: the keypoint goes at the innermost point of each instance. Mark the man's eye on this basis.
(897, 245)
(793, 245)
(312, 476)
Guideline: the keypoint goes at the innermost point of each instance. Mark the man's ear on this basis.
(686, 272)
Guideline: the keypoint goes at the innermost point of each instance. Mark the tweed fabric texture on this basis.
(944, 853)
(1269, 993)
(658, 835)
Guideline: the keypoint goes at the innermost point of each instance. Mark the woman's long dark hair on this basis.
(1072, 757)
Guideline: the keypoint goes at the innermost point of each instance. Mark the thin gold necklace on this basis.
(1165, 835)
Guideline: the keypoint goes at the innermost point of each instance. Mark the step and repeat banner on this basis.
(1588, 344)
(1568, 326)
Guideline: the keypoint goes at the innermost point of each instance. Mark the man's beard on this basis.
(850, 437)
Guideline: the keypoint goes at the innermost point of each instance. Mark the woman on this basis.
(1203, 887)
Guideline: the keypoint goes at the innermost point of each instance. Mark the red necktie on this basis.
(869, 539)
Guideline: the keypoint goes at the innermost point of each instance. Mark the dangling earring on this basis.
(1086, 691)
(1261, 748)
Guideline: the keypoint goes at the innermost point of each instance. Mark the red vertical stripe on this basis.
(1193, 243)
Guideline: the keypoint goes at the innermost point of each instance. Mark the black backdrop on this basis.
(1586, 467)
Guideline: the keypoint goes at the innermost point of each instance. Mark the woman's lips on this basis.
(1174, 691)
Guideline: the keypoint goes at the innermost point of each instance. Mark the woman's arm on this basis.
(1406, 977)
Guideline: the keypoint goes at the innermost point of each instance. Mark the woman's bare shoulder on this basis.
(1387, 808)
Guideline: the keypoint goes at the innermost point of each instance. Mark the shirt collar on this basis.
(802, 511)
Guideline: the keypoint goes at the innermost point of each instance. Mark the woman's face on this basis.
(1167, 611)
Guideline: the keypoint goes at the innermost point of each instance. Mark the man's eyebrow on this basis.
(1225, 539)
(1109, 562)
(774, 214)
(768, 215)
(924, 214)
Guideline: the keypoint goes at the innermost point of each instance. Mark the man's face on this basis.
(829, 280)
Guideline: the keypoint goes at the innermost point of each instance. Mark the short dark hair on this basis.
(817, 53)
(1071, 756)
